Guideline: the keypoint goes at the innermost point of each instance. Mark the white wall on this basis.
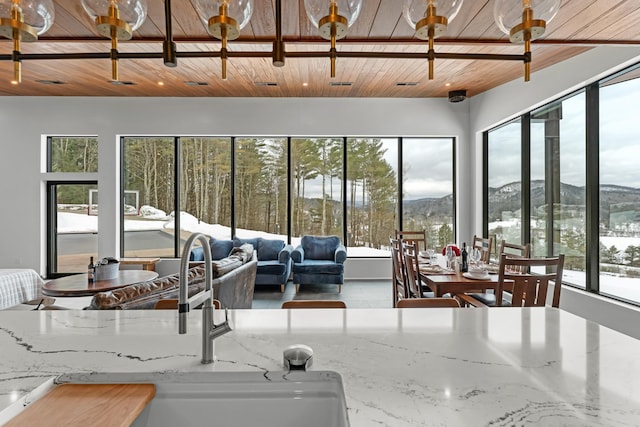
(25, 120)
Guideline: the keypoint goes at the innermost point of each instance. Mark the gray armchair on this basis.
(319, 260)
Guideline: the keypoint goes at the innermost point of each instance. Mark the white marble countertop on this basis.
(453, 367)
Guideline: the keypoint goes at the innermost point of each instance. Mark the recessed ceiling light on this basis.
(447, 84)
(50, 82)
(14, 82)
(305, 84)
(121, 82)
(160, 83)
(192, 83)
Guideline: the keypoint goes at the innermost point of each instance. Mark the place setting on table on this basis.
(428, 263)
(454, 277)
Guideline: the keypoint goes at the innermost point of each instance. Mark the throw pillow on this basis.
(320, 247)
(268, 250)
(220, 248)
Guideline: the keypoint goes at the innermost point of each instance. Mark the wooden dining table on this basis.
(451, 282)
(456, 283)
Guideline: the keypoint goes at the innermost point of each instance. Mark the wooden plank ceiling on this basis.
(580, 25)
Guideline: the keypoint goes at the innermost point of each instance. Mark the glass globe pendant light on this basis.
(430, 18)
(224, 20)
(24, 20)
(524, 21)
(332, 18)
(116, 19)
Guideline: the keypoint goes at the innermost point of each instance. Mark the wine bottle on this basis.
(465, 263)
(91, 271)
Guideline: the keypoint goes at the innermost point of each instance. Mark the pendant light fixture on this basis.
(524, 21)
(224, 20)
(24, 20)
(117, 20)
(430, 18)
(332, 18)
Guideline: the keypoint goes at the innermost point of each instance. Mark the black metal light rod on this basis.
(266, 54)
(483, 56)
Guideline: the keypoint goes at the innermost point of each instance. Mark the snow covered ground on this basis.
(620, 286)
(154, 219)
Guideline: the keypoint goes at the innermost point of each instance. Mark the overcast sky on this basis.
(619, 141)
(428, 162)
(428, 170)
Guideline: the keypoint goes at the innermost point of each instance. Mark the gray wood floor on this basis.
(355, 293)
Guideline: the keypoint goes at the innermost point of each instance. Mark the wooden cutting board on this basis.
(87, 405)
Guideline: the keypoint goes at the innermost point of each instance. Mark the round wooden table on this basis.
(78, 284)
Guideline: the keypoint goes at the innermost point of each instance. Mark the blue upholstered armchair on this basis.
(274, 258)
(319, 260)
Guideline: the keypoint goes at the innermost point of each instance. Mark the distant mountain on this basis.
(613, 199)
(428, 207)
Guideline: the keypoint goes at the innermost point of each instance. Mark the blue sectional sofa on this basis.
(274, 257)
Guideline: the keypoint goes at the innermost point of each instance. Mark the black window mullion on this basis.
(400, 179)
(485, 183)
(454, 190)
(289, 191)
(52, 230)
(233, 186)
(593, 189)
(525, 194)
(177, 168)
(122, 188)
(344, 190)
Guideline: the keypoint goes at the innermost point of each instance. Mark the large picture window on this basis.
(579, 163)
(619, 234)
(284, 188)
(427, 188)
(560, 129)
(261, 197)
(505, 189)
(372, 194)
(316, 173)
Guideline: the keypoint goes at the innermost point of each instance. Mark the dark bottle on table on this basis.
(465, 263)
(91, 271)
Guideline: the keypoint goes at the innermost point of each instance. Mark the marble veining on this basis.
(410, 367)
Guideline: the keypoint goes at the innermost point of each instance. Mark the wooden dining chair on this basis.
(172, 304)
(514, 250)
(398, 274)
(526, 280)
(415, 287)
(484, 245)
(314, 304)
(418, 237)
(428, 302)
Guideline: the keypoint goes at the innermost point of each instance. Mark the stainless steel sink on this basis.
(280, 399)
